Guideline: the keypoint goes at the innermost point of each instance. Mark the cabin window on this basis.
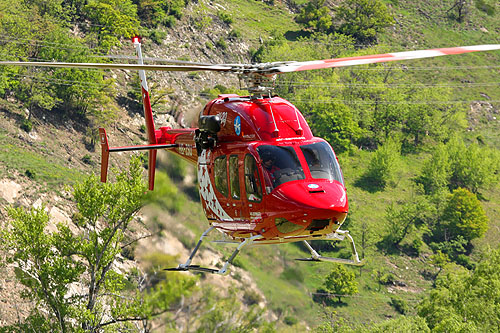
(280, 164)
(322, 162)
(220, 171)
(234, 177)
(252, 182)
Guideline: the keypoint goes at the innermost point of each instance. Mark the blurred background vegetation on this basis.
(418, 143)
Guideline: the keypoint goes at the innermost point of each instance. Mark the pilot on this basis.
(269, 168)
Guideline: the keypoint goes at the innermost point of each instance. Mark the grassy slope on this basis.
(291, 295)
(414, 31)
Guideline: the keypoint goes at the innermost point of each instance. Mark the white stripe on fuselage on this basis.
(206, 189)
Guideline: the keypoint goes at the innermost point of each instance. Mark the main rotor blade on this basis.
(169, 61)
(216, 68)
(371, 59)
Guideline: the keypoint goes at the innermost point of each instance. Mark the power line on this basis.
(362, 296)
(11, 39)
(386, 85)
(360, 102)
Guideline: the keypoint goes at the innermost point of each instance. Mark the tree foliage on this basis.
(315, 16)
(407, 218)
(383, 163)
(341, 282)
(463, 216)
(465, 301)
(455, 165)
(160, 12)
(50, 263)
(35, 33)
(363, 19)
(473, 167)
(436, 171)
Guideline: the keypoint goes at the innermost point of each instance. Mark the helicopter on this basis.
(264, 178)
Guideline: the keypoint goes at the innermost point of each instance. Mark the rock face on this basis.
(9, 190)
(482, 112)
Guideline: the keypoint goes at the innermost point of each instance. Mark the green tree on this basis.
(463, 216)
(427, 117)
(315, 15)
(436, 171)
(155, 12)
(44, 266)
(363, 19)
(440, 260)
(465, 301)
(49, 263)
(334, 122)
(225, 314)
(383, 164)
(407, 218)
(111, 20)
(472, 167)
(341, 282)
(70, 90)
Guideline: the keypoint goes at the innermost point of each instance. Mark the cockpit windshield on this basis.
(322, 162)
(280, 164)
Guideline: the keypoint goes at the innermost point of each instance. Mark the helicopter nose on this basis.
(321, 200)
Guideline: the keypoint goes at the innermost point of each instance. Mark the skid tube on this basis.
(337, 235)
(224, 270)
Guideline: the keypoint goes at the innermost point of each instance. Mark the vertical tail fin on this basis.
(148, 114)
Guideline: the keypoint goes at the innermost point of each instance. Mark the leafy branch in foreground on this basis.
(74, 274)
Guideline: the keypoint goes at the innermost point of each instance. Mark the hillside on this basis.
(48, 142)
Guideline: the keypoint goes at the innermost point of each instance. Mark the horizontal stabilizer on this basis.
(152, 148)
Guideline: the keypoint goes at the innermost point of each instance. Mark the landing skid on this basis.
(223, 271)
(338, 235)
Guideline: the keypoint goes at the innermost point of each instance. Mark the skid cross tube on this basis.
(338, 235)
(223, 271)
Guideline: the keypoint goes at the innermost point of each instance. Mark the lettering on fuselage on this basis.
(223, 118)
(186, 150)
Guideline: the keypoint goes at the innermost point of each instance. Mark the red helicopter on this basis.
(263, 177)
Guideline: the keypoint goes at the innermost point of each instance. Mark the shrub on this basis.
(27, 125)
(399, 305)
(87, 159)
(221, 44)
(290, 320)
(30, 174)
(157, 36)
(225, 17)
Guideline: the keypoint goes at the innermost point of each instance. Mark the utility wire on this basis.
(11, 39)
(359, 102)
(362, 296)
(387, 85)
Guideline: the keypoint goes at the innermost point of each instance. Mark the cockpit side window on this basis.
(280, 164)
(220, 171)
(322, 162)
(252, 181)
